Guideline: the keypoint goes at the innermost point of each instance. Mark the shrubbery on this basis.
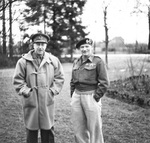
(124, 90)
(140, 48)
(135, 89)
(6, 62)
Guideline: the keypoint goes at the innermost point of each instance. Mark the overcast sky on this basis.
(121, 22)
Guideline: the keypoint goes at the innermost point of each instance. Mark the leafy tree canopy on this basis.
(61, 20)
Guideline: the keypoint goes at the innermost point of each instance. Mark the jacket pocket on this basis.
(89, 73)
(90, 67)
(29, 101)
(50, 98)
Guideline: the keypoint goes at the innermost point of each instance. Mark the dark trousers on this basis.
(47, 136)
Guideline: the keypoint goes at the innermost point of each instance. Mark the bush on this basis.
(124, 90)
(140, 48)
(110, 49)
(6, 62)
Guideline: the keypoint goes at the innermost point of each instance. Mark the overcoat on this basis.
(42, 83)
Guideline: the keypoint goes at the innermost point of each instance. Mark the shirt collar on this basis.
(89, 59)
(35, 56)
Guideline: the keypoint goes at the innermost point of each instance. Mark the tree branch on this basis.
(6, 5)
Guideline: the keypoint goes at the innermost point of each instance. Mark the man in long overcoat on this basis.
(38, 78)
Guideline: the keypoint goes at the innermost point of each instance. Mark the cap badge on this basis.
(89, 41)
(40, 38)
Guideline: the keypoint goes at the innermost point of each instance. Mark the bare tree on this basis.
(139, 9)
(149, 27)
(4, 29)
(105, 11)
(106, 35)
(10, 33)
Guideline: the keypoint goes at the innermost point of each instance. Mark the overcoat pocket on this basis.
(50, 98)
(29, 101)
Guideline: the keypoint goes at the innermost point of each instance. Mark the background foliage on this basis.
(60, 19)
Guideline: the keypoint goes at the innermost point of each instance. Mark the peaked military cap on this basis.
(84, 41)
(40, 38)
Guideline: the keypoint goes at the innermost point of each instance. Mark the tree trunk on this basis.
(70, 42)
(149, 28)
(71, 38)
(10, 34)
(4, 30)
(71, 49)
(106, 36)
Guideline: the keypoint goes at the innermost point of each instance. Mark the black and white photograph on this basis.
(74, 71)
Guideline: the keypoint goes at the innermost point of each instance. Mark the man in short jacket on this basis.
(89, 83)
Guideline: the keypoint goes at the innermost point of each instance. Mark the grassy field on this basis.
(122, 123)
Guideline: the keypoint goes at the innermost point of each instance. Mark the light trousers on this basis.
(86, 118)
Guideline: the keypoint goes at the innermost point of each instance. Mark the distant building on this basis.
(116, 44)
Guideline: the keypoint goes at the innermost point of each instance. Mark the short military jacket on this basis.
(89, 75)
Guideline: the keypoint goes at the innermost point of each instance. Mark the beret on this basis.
(84, 41)
(40, 38)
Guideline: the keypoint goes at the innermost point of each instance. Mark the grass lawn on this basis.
(122, 123)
